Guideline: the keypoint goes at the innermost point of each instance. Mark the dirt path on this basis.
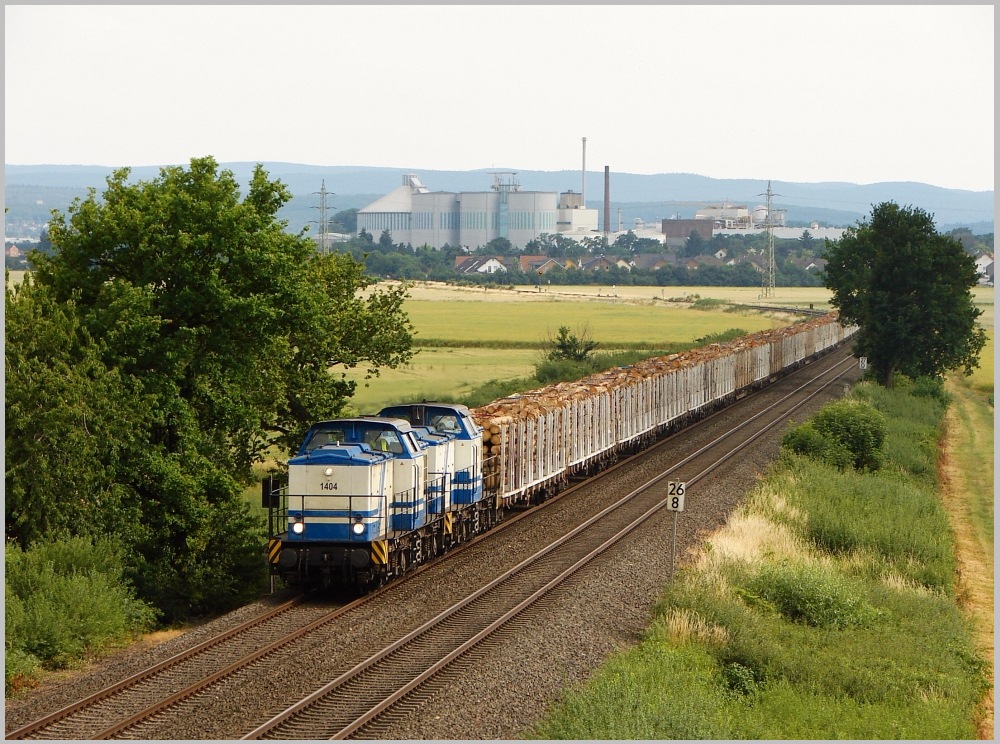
(966, 477)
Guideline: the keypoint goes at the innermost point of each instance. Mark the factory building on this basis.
(413, 214)
(737, 217)
(676, 232)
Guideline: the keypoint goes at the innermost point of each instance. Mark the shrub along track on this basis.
(585, 623)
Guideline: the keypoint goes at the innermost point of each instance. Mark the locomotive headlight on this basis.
(358, 528)
(298, 527)
(328, 472)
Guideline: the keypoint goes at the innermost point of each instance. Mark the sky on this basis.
(804, 93)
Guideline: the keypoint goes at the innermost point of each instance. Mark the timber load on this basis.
(535, 440)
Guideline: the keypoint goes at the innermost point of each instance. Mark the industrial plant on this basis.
(413, 214)
(416, 215)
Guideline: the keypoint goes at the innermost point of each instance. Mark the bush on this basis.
(708, 303)
(896, 519)
(553, 370)
(807, 440)
(722, 337)
(492, 390)
(930, 387)
(570, 347)
(812, 594)
(65, 599)
(843, 434)
(914, 423)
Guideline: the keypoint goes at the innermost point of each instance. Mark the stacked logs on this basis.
(495, 417)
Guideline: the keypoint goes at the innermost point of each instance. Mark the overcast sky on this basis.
(788, 93)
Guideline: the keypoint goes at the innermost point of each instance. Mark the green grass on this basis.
(441, 374)
(974, 456)
(825, 609)
(982, 377)
(538, 322)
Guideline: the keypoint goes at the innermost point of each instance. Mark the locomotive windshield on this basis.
(323, 437)
(447, 422)
(441, 417)
(379, 436)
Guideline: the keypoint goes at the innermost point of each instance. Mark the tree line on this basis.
(385, 259)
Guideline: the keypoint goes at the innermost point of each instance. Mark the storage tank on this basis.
(760, 214)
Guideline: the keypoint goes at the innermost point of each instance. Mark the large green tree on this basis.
(908, 289)
(193, 331)
(70, 423)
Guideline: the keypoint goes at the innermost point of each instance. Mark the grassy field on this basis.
(829, 607)
(440, 373)
(466, 336)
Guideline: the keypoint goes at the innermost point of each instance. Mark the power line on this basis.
(323, 225)
(769, 226)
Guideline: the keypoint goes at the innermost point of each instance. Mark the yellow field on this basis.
(537, 322)
(982, 378)
(15, 277)
(790, 296)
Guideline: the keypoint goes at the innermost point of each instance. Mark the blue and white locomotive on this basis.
(369, 497)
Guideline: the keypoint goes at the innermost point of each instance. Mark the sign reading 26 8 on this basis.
(675, 495)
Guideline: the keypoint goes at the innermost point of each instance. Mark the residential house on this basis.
(809, 264)
(652, 261)
(480, 264)
(699, 261)
(756, 262)
(603, 263)
(984, 267)
(540, 264)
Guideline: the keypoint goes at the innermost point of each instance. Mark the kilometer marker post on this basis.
(675, 503)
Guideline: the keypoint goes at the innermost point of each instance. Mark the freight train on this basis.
(368, 498)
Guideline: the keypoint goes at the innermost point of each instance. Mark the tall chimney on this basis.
(607, 200)
(583, 176)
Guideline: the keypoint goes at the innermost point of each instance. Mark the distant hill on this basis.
(32, 191)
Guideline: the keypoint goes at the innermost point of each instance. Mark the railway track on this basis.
(167, 683)
(373, 692)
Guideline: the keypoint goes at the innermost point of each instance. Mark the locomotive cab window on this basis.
(446, 422)
(384, 441)
(325, 437)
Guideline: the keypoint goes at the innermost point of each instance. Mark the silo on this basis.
(607, 200)
(760, 215)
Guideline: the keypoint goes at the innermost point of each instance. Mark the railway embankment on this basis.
(831, 605)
